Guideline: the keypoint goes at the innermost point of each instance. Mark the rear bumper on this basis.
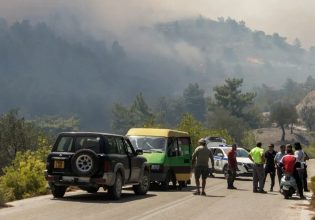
(105, 180)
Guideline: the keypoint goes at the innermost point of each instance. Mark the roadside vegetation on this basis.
(24, 147)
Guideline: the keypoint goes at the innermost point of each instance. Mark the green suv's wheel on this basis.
(84, 162)
(58, 191)
(115, 190)
(144, 184)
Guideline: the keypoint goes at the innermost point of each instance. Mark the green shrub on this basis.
(310, 150)
(24, 177)
(313, 190)
(197, 130)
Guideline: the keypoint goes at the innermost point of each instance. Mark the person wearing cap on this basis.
(200, 159)
(270, 165)
(257, 156)
(278, 158)
(232, 167)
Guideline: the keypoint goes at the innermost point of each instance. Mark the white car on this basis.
(244, 164)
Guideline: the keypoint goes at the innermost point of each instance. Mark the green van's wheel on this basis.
(165, 184)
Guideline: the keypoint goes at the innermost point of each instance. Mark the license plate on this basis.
(59, 164)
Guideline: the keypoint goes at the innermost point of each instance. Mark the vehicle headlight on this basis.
(155, 167)
(239, 163)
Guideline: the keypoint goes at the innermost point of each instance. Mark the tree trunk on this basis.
(283, 134)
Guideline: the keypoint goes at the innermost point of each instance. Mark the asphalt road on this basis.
(219, 203)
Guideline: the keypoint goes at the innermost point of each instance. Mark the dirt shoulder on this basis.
(273, 135)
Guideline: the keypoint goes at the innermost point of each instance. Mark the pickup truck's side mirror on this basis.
(139, 152)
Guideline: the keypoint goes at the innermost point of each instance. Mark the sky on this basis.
(290, 18)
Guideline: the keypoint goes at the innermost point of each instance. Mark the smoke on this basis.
(120, 16)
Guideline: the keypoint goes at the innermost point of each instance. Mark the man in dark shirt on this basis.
(270, 165)
(232, 167)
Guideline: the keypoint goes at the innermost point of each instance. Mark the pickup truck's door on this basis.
(135, 162)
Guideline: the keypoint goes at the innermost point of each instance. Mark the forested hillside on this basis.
(43, 72)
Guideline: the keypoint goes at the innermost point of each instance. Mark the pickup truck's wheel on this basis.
(144, 184)
(84, 162)
(115, 190)
(58, 191)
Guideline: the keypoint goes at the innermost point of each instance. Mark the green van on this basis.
(167, 151)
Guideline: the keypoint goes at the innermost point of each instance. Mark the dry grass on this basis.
(273, 135)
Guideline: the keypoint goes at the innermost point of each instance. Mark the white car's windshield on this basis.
(148, 143)
(239, 152)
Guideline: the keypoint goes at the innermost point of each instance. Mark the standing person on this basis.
(290, 165)
(232, 165)
(257, 156)
(288, 147)
(305, 173)
(201, 157)
(270, 165)
(278, 158)
(301, 157)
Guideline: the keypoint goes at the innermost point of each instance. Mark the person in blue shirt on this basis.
(278, 158)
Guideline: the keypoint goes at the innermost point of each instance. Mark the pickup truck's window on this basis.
(64, 144)
(92, 143)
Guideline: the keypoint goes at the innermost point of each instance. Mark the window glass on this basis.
(147, 143)
(129, 148)
(112, 146)
(173, 147)
(64, 144)
(218, 151)
(184, 145)
(241, 153)
(120, 146)
(92, 143)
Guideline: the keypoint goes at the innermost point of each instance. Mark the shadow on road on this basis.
(214, 196)
(157, 188)
(103, 197)
(243, 179)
